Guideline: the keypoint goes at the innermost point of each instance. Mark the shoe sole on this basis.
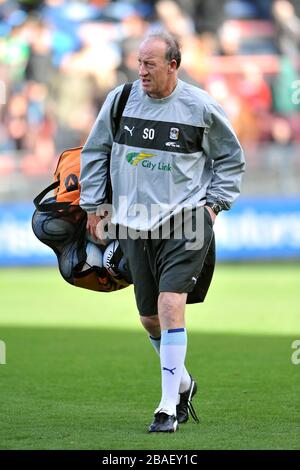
(175, 427)
(193, 392)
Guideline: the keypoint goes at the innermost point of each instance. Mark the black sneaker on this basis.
(163, 423)
(185, 406)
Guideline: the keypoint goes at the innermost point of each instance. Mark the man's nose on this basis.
(142, 70)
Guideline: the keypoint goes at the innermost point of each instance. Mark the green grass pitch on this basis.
(80, 372)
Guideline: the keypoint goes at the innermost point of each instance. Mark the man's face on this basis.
(158, 77)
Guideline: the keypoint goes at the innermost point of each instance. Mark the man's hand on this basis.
(96, 225)
(212, 214)
(91, 225)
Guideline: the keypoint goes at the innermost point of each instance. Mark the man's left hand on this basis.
(212, 214)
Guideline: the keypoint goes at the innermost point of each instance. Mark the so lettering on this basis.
(148, 134)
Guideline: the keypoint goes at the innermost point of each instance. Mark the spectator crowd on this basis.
(59, 59)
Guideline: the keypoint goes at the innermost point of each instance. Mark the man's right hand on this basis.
(92, 222)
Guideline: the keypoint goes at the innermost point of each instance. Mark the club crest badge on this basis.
(174, 133)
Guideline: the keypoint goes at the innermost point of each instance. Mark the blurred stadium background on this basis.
(58, 60)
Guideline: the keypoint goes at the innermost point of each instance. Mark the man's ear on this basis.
(172, 66)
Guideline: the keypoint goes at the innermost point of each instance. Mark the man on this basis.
(174, 150)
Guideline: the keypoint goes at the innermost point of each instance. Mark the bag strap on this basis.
(52, 206)
(121, 104)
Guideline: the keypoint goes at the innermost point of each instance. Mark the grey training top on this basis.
(167, 154)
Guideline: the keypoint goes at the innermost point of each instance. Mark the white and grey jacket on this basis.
(173, 152)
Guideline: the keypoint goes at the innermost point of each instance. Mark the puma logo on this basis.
(126, 128)
(170, 370)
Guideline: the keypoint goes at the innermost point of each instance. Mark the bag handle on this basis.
(52, 206)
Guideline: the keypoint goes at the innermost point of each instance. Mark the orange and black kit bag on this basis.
(60, 223)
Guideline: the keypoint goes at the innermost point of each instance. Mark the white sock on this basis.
(172, 355)
(185, 381)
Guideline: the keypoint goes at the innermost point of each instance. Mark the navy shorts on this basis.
(166, 265)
